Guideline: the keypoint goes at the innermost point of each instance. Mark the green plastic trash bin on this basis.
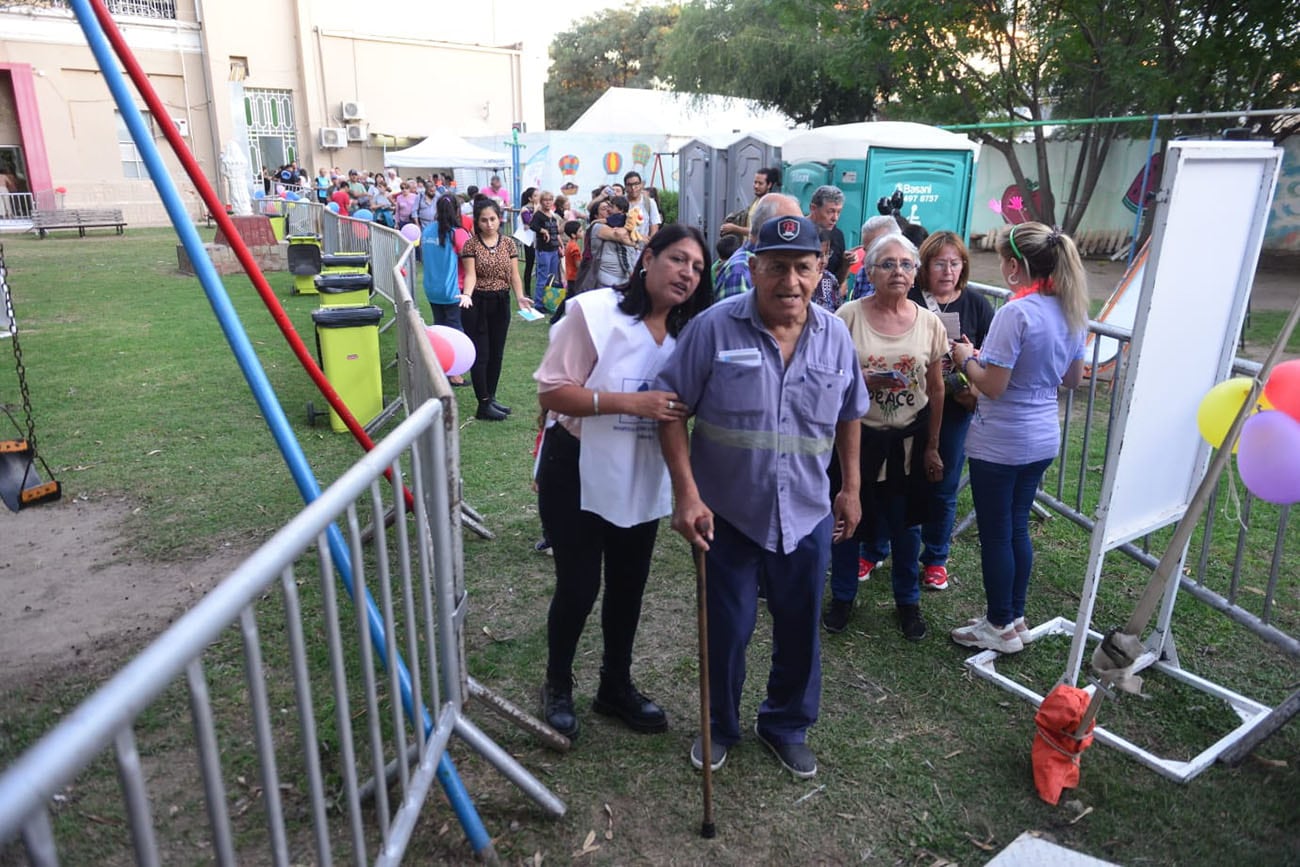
(347, 342)
(344, 290)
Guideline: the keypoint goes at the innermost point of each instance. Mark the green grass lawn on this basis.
(137, 397)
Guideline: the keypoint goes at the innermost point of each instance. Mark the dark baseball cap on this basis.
(795, 234)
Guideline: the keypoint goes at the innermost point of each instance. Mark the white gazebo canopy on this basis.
(446, 151)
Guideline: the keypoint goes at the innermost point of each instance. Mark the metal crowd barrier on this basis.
(1228, 581)
(322, 724)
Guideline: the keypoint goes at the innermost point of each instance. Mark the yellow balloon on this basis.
(1219, 409)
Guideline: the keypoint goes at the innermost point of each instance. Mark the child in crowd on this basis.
(572, 252)
(828, 289)
(546, 229)
(726, 248)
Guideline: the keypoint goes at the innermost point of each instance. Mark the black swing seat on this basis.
(20, 484)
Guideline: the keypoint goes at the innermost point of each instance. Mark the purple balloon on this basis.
(411, 232)
(1268, 457)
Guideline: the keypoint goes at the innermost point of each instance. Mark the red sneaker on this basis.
(864, 569)
(934, 578)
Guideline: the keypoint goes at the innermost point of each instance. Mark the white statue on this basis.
(234, 166)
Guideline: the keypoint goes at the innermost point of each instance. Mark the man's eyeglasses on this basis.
(889, 266)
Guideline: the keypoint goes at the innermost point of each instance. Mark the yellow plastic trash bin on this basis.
(347, 343)
(344, 290)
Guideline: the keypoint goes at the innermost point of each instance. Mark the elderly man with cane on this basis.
(774, 384)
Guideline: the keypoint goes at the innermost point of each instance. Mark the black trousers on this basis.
(530, 261)
(580, 541)
(486, 322)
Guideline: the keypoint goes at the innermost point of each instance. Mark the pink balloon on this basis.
(461, 345)
(1283, 388)
(1268, 457)
(411, 232)
(441, 348)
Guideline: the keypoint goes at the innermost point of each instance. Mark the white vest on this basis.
(624, 478)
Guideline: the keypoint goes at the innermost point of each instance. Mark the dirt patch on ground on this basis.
(71, 589)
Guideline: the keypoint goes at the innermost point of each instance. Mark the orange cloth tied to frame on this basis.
(1056, 751)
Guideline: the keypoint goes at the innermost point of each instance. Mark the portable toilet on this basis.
(745, 156)
(934, 169)
(702, 186)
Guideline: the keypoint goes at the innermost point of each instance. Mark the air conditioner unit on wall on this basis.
(357, 132)
(353, 111)
(333, 137)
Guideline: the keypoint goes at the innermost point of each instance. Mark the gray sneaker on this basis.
(717, 754)
(798, 759)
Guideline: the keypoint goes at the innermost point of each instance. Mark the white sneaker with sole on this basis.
(986, 636)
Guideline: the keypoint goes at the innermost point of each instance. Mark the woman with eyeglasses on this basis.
(900, 345)
(1034, 347)
(941, 289)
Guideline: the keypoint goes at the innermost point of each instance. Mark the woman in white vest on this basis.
(602, 483)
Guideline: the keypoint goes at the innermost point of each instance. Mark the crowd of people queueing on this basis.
(827, 423)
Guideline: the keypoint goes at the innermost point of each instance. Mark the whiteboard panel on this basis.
(1209, 226)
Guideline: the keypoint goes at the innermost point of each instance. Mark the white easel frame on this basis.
(1211, 212)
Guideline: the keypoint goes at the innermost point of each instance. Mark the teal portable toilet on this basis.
(934, 169)
(802, 179)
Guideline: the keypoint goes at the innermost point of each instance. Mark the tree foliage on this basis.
(982, 61)
(618, 48)
(775, 52)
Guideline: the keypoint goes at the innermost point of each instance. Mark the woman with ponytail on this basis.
(1034, 346)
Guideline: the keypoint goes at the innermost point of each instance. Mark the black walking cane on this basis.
(707, 829)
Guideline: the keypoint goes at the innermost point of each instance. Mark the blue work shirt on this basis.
(734, 277)
(764, 431)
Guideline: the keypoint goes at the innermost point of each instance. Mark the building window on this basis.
(138, 8)
(238, 68)
(272, 132)
(132, 160)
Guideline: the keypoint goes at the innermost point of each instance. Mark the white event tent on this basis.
(446, 151)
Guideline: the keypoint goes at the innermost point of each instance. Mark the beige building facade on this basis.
(322, 83)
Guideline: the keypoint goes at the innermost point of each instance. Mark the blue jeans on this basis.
(1003, 495)
(887, 525)
(794, 593)
(548, 270)
(446, 314)
(936, 534)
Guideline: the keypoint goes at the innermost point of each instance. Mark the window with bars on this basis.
(132, 161)
(138, 8)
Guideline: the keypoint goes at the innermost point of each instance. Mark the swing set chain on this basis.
(18, 351)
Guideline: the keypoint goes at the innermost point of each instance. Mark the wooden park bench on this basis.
(80, 219)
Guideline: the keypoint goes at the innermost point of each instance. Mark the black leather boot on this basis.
(500, 407)
(557, 707)
(487, 411)
(618, 697)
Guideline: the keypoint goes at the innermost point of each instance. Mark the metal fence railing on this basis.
(318, 747)
(1222, 564)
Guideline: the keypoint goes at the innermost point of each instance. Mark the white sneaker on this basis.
(986, 636)
(1022, 629)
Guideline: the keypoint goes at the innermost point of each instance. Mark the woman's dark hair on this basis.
(636, 298)
(527, 198)
(448, 215)
(481, 204)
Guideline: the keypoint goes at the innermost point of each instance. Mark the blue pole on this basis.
(258, 382)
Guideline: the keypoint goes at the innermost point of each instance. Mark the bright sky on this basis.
(534, 23)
